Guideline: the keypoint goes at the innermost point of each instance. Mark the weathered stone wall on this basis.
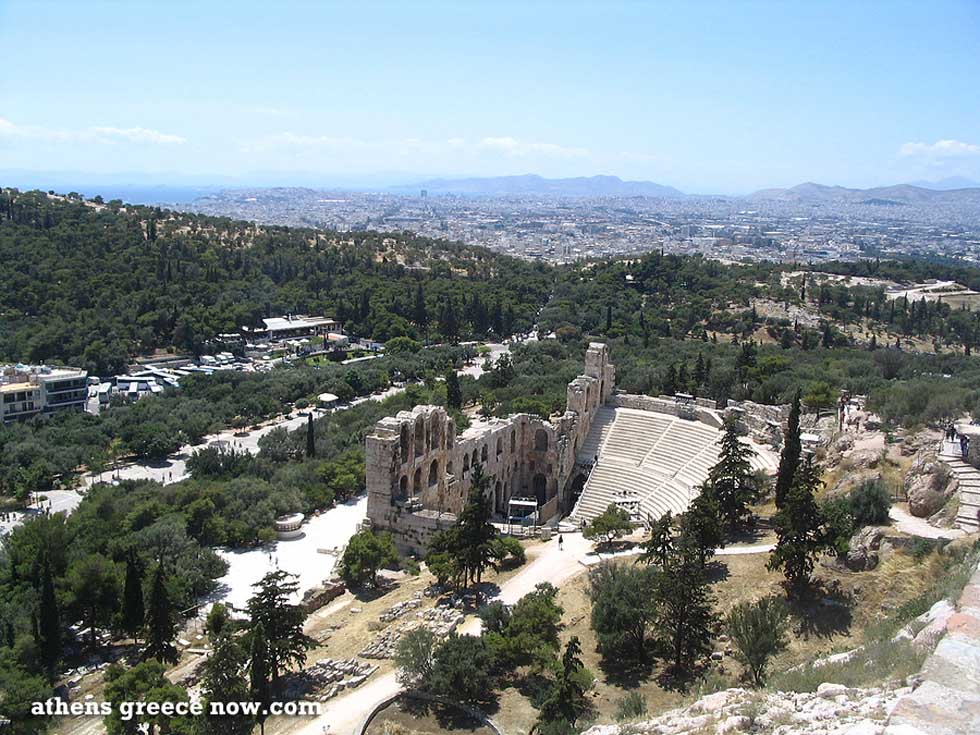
(763, 422)
(692, 409)
(419, 472)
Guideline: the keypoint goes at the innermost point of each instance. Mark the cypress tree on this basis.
(454, 394)
(421, 315)
(49, 624)
(310, 436)
(789, 458)
(133, 610)
(161, 621)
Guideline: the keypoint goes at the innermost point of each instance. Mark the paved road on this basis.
(547, 563)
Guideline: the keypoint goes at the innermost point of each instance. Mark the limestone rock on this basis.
(829, 690)
(843, 443)
(864, 459)
(833, 709)
(925, 631)
(862, 551)
(927, 484)
(851, 479)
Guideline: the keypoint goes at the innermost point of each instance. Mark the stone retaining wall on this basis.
(947, 702)
(696, 409)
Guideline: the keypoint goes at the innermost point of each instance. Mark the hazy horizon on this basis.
(707, 97)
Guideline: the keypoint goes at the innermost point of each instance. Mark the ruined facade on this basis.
(419, 472)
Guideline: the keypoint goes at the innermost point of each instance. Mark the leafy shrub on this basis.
(414, 655)
(869, 503)
(921, 548)
(838, 522)
(366, 553)
(509, 551)
(611, 524)
(758, 630)
(631, 706)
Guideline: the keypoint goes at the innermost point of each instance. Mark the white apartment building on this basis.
(29, 390)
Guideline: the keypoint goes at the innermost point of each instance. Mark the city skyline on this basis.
(709, 98)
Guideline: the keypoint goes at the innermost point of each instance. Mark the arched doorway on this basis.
(540, 488)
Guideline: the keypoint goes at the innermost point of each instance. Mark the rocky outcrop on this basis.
(862, 551)
(318, 596)
(947, 699)
(853, 478)
(925, 631)
(832, 710)
(927, 484)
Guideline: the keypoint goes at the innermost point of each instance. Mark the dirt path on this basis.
(547, 563)
(908, 523)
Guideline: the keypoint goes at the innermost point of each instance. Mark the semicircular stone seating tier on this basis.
(648, 462)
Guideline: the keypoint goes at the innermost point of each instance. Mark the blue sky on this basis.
(706, 96)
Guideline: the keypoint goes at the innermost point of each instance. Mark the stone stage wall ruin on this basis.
(419, 472)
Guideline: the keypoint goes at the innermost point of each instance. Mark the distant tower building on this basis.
(424, 194)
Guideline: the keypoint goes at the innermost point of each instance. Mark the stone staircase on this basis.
(968, 479)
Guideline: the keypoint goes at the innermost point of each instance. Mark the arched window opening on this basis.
(403, 442)
(419, 437)
(541, 440)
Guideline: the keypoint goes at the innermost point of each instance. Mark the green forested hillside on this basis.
(92, 285)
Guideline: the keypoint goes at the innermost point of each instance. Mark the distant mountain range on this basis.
(531, 184)
(950, 182)
(882, 195)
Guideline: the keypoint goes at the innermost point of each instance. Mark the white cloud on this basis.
(519, 148)
(294, 141)
(97, 134)
(488, 147)
(939, 149)
(137, 135)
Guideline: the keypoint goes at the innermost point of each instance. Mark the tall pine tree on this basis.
(686, 621)
(223, 680)
(476, 533)
(281, 620)
(730, 481)
(799, 529)
(258, 673)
